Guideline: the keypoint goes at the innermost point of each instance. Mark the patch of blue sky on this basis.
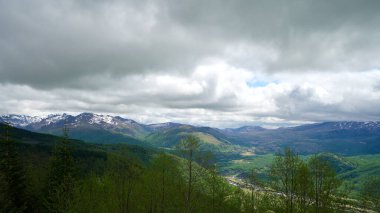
(255, 83)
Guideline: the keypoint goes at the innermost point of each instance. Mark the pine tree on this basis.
(12, 176)
(61, 182)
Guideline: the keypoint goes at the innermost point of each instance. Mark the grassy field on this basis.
(243, 164)
(362, 166)
(365, 166)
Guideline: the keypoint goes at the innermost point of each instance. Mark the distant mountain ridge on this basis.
(37, 122)
(369, 125)
(85, 126)
(345, 137)
(20, 120)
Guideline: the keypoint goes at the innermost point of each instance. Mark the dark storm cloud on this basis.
(49, 44)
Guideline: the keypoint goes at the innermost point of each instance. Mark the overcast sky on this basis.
(216, 63)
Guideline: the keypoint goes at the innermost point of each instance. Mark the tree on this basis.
(252, 182)
(284, 171)
(92, 195)
(163, 184)
(124, 173)
(61, 181)
(325, 183)
(214, 182)
(343, 195)
(304, 186)
(13, 196)
(13, 175)
(189, 146)
(370, 192)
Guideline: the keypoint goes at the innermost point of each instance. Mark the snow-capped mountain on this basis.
(53, 119)
(108, 121)
(79, 125)
(342, 125)
(358, 125)
(345, 137)
(20, 120)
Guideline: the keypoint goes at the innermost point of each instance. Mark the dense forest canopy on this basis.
(64, 175)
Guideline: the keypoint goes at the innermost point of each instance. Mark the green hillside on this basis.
(104, 172)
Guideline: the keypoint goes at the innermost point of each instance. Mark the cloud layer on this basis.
(217, 63)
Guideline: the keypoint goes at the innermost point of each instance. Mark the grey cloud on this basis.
(307, 35)
(100, 56)
(51, 44)
(300, 104)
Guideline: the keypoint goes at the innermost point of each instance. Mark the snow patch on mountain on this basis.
(53, 118)
(358, 125)
(100, 119)
(20, 120)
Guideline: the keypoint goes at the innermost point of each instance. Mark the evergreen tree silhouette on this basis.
(61, 181)
(13, 196)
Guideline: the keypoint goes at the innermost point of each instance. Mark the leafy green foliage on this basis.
(130, 178)
(284, 172)
(370, 192)
(325, 183)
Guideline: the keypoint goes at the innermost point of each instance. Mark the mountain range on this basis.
(347, 137)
